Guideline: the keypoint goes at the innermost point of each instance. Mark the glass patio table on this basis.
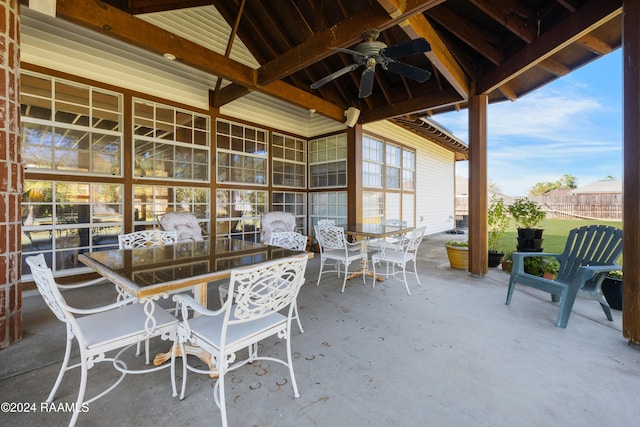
(368, 231)
(157, 271)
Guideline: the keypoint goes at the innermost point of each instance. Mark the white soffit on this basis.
(59, 45)
(204, 26)
(263, 109)
(397, 133)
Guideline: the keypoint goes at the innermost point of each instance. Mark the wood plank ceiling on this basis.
(502, 48)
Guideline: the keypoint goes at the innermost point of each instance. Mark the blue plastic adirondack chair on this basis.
(589, 254)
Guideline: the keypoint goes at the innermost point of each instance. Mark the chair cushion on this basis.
(209, 328)
(114, 325)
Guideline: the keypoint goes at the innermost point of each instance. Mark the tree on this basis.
(541, 188)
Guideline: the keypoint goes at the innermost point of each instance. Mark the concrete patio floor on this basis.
(451, 354)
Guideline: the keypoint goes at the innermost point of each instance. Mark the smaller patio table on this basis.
(366, 232)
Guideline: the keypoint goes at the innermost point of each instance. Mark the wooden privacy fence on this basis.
(586, 206)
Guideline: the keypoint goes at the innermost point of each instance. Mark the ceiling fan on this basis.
(372, 52)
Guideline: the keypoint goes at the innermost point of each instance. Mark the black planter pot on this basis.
(612, 290)
(530, 233)
(494, 258)
(529, 240)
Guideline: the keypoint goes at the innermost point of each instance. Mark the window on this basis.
(292, 202)
(372, 161)
(69, 127)
(394, 165)
(372, 207)
(289, 161)
(64, 219)
(238, 213)
(328, 162)
(242, 153)
(389, 172)
(170, 142)
(328, 205)
(408, 170)
(152, 201)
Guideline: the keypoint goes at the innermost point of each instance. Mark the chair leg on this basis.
(607, 311)
(346, 273)
(184, 371)
(373, 264)
(81, 391)
(222, 404)
(404, 275)
(294, 384)
(63, 369)
(320, 273)
(415, 270)
(295, 307)
(512, 285)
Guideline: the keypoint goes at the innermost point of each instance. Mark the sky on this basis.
(571, 126)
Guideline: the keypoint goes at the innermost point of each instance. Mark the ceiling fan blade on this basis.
(366, 82)
(334, 75)
(411, 47)
(414, 73)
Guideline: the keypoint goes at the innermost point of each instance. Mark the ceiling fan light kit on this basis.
(372, 52)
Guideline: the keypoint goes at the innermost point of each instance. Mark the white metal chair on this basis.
(274, 222)
(116, 326)
(288, 240)
(184, 223)
(394, 242)
(147, 238)
(334, 246)
(263, 291)
(400, 258)
(326, 223)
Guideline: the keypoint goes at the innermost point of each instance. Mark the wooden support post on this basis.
(630, 194)
(478, 245)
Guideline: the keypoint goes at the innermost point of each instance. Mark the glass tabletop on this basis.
(180, 265)
(373, 230)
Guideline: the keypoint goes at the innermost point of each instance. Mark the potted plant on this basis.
(507, 262)
(612, 289)
(458, 254)
(497, 222)
(527, 215)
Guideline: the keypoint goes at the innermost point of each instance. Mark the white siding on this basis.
(434, 177)
(56, 44)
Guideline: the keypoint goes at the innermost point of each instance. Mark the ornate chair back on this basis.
(276, 221)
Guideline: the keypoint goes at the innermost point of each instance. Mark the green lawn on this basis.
(555, 233)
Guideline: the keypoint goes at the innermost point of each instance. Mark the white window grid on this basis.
(328, 162)
(288, 161)
(294, 203)
(64, 219)
(169, 142)
(69, 127)
(150, 202)
(238, 213)
(242, 154)
(328, 205)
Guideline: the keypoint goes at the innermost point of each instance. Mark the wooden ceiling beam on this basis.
(554, 67)
(594, 44)
(411, 106)
(575, 26)
(136, 7)
(472, 34)
(439, 55)
(118, 24)
(513, 15)
(345, 34)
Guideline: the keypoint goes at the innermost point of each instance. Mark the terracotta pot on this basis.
(458, 257)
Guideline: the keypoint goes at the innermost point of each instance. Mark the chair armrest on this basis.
(101, 309)
(518, 259)
(186, 302)
(82, 284)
